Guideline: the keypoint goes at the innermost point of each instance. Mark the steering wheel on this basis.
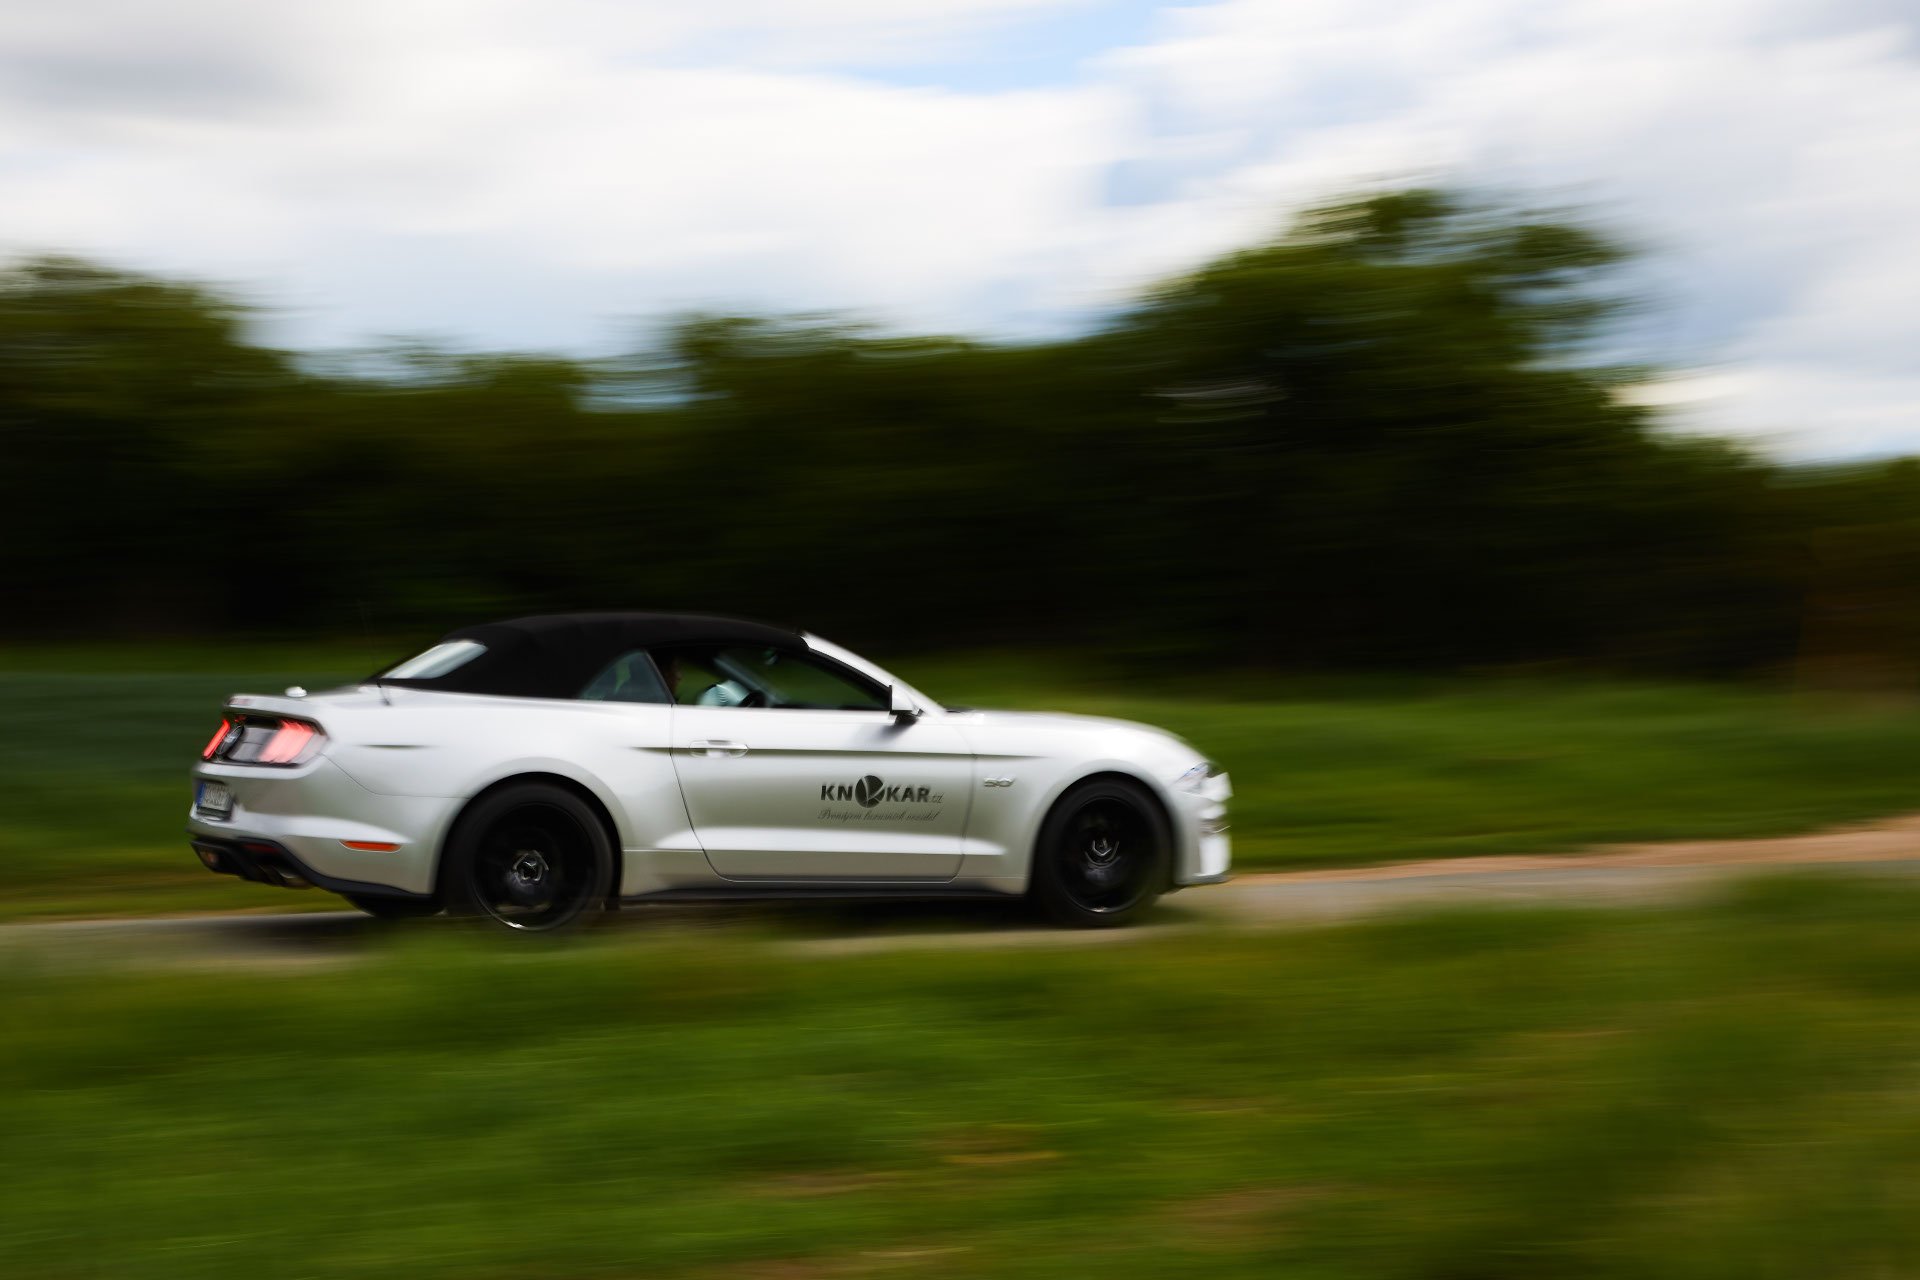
(730, 693)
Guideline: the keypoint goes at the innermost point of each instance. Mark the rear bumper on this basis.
(322, 819)
(265, 862)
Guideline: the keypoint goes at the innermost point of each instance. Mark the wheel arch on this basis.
(586, 794)
(1109, 773)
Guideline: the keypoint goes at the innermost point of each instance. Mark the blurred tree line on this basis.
(1382, 441)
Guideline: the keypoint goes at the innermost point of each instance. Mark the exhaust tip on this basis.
(285, 878)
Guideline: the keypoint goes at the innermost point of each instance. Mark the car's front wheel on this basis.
(531, 856)
(1103, 854)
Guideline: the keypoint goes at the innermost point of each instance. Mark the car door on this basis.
(793, 770)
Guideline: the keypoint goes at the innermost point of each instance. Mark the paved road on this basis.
(1283, 900)
(1624, 877)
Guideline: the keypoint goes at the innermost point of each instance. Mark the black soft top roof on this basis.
(555, 655)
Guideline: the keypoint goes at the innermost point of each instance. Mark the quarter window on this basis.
(436, 662)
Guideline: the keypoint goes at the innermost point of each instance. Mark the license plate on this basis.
(214, 799)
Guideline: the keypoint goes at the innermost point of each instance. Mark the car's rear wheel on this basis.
(1103, 854)
(531, 857)
(385, 908)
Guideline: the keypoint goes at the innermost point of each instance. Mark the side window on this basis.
(694, 677)
(755, 676)
(631, 677)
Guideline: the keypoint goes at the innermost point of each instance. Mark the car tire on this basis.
(1103, 854)
(531, 857)
(381, 907)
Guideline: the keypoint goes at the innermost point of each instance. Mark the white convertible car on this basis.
(526, 772)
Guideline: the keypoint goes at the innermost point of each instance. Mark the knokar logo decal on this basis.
(870, 791)
(879, 801)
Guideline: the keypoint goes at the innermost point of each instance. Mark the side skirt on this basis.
(819, 893)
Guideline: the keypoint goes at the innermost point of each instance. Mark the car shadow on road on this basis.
(860, 924)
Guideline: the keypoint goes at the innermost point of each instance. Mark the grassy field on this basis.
(1721, 1091)
(95, 745)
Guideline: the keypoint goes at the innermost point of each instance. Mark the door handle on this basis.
(716, 747)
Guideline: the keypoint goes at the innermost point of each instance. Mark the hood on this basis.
(1045, 720)
(1017, 724)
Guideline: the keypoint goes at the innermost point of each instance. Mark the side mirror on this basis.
(901, 707)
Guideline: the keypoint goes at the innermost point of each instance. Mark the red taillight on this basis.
(258, 739)
(288, 741)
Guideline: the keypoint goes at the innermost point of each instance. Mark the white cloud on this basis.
(1768, 154)
(508, 173)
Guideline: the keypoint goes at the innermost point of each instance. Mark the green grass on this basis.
(1722, 1091)
(95, 745)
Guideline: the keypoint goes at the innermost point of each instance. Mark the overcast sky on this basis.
(542, 173)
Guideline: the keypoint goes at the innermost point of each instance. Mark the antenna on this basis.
(366, 638)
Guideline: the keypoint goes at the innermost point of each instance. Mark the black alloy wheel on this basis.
(531, 857)
(1103, 853)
